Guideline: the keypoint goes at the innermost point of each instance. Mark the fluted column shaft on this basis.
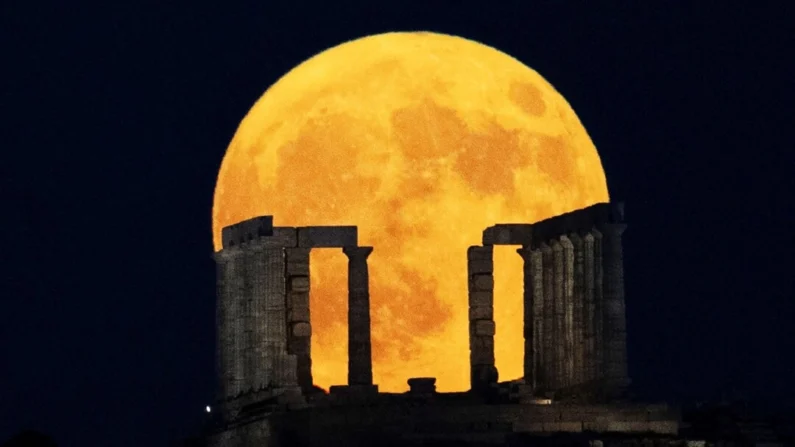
(550, 353)
(360, 363)
(579, 304)
(614, 314)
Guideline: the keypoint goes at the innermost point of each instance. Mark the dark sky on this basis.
(115, 118)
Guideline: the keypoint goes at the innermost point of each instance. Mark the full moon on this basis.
(422, 140)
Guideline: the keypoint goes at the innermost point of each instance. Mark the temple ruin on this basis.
(263, 313)
(574, 318)
(575, 356)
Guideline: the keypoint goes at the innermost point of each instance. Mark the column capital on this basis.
(525, 252)
(354, 252)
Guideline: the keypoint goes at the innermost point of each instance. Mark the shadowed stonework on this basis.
(574, 345)
(574, 328)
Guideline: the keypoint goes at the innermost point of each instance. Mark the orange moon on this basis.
(422, 140)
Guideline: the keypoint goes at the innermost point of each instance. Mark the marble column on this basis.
(279, 366)
(589, 309)
(598, 298)
(560, 313)
(480, 271)
(568, 310)
(578, 313)
(550, 351)
(614, 331)
(360, 363)
(239, 324)
(532, 304)
(298, 315)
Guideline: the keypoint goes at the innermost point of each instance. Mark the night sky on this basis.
(115, 118)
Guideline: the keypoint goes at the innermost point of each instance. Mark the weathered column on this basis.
(239, 324)
(579, 302)
(568, 309)
(532, 287)
(279, 366)
(598, 299)
(550, 351)
(299, 339)
(226, 276)
(560, 313)
(360, 363)
(254, 319)
(589, 308)
(480, 269)
(537, 277)
(614, 331)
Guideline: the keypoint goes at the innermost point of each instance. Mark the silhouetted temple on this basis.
(575, 358)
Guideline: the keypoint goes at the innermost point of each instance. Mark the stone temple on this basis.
(575, 359)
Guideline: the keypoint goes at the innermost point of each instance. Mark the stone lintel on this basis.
(508, 234)
(327, 236)
(579, 221)
(246, 230)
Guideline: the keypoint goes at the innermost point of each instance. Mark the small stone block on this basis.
(477, 299)
(302, 329)
(298, 268)
(329, 236)
(299, 314)
(422, 385)
(481, 313)
(297, 299)
(481, 282)
(299, 284)
(477, 252)
(481, 342)
(483, 327)
(480, 266)
(298, 255)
